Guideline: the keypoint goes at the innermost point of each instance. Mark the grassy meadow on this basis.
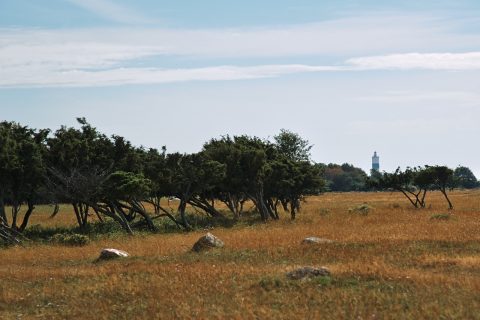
(392, 262)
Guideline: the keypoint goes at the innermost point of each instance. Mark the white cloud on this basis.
(430, 61)
(457, 98)
(28, 77)
(111, 11)
(96, 57)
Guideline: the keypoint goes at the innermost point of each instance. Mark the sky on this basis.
(352, 77)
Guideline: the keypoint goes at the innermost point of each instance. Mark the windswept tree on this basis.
(289, 182)
(404, 182)
(414, 183)
(22, 171)
(268, 174)
(441, 179)
(192, 178)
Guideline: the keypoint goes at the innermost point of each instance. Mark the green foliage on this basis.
(363, 209)
(123, 185)
(292, 146)
(344, 178)
(414, 183)
(74, 239)
(440, 216)
(464, 178)
(272, 283)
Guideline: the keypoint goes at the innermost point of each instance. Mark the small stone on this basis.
(207, 242)
(308, 272)
(315, 240)
(107, 254)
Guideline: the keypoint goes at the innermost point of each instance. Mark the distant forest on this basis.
(109, 177)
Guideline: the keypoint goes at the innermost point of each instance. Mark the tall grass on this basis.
(394, 263)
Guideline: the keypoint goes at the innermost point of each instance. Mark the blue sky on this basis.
(398, 77)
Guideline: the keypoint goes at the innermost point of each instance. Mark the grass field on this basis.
(392, 263)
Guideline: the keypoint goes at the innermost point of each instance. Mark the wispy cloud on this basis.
(102, 57)
(112, 11)
(84, 72)
(456, 98)
(430, 61)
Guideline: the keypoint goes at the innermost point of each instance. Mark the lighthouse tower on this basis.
(375, 162)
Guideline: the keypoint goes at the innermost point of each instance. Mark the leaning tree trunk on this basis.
(26, 218)
(444, 192)
(56, 209)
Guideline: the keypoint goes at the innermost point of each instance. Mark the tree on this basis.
(192, 178)
(22, 170)
(344, 178)
(404, 182)
(292, 146)
(464, 178)
(441, 179)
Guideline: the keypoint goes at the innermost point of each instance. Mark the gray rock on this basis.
(308, 272)
(207, 242)
(107, 254)
(315, 240)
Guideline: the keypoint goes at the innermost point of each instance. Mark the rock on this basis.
(207, 242)
(108, 254)
(315, 240)
(308, 272)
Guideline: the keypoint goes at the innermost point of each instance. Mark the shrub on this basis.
(440, 216)
(271, 283)
(362, 209)
(74, 239)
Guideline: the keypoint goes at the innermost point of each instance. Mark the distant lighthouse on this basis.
(375, 162)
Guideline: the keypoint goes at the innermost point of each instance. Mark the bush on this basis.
(74, 239)
(271, 283)
(362, 209)
(440, 216)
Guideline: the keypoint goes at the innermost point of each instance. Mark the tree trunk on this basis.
(181, 209)
(423, 198)
(3, 215)
(56, 209)
(15, 210)
(141, 210)
(29, 212)
(205, 206)
(450, 205)
(409, 199)
(259, 201)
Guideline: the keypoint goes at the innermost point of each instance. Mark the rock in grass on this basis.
(207, 242)
(308, 272)
(108, 254)
(315, 240)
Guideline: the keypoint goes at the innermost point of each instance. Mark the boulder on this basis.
(107, 254)
(207, 242)
(308, 272)
(315, 240)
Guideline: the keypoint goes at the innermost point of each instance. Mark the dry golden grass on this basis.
(394, 263)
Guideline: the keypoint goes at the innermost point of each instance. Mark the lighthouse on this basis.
(375, 162)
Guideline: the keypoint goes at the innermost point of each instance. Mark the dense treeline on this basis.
(114, 180)
(110, 178)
